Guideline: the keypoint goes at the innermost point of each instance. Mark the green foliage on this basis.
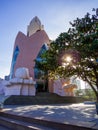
(81, 42)
(87, 94)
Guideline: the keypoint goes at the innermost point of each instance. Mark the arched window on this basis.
(37, 72)
(41, 84)
(15, 55)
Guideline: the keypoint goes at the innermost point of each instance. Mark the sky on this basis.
(55, 15)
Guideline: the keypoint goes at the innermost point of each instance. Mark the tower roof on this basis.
(35, 20)
(34, 26)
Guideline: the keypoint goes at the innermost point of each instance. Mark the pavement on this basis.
(81, 113)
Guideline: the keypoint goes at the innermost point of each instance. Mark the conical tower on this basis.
(34, 26)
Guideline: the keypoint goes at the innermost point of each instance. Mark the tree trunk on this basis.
(96, 107)
(95, 90)
(97, 98)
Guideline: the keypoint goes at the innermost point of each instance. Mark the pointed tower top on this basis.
(35, 20)
(34, 26)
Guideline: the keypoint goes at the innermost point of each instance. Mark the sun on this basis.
(68, 58)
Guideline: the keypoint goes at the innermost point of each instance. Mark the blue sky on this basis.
(55, 15)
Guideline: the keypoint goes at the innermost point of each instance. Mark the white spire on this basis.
(34, 26)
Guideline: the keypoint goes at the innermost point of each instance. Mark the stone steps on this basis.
(41, 99)
(17, 122)
(4, 128)
(2, 100)
(14, 123)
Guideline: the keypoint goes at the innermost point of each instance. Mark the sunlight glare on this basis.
(68, 59)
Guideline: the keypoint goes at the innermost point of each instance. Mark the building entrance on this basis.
(42, 86)
(39, 74)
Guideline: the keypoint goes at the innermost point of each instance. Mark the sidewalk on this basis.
(83, 114)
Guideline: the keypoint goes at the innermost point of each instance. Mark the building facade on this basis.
(28, 47)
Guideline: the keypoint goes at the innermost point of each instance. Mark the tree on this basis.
(84, 39)
(76, 52)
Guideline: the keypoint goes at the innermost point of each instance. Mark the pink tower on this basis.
(27, 47)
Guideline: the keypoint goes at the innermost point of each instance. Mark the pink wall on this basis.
(29, 48)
